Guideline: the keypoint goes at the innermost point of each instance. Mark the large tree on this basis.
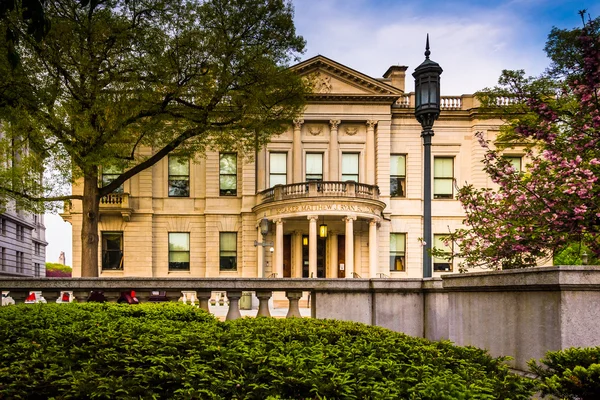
(555, 201)
(123, 83)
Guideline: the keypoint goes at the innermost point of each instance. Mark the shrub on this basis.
(55, 270)
(569, 374)
(177, 351)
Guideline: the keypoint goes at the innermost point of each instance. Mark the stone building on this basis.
(352, 163)
(22, 244)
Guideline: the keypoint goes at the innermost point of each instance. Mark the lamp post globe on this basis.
(427, 110)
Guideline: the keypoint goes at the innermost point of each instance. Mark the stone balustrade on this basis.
(517, 313)
(316, 189)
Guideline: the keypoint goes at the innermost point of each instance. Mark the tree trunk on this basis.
(89, 229)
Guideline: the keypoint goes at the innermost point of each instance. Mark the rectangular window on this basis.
(398, 175)
(20, 262)
(179, 251)
(36, 269)
(179, 177)
(314, 167)
(277, 169)
(228, 251)
(112, 250)
(3, 226)
(397, 251)
(109, 174)
(228, 174)
(442, 264)
(515, 161)
(350, 167)
(3, 258)
(20, 233)
(443, 177)
(38, 249)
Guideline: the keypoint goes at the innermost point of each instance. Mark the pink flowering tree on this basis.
(554, 201)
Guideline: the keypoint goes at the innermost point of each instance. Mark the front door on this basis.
(287, 256)
(321, 257)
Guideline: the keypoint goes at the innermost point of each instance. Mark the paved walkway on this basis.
(277, 312)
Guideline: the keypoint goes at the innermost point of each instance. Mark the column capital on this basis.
(334, 123)
(375, 221)
(349, 218)
(312, 217)
(371, 123)
(298, 123)
(278, 221)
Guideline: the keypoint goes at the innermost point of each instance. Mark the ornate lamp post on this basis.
(264, 231)
(427, 110)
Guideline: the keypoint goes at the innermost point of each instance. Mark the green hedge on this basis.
(569, 374)
(178, 351)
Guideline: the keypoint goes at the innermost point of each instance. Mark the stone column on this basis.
(297, 151)
(297, 255)
(260, 255)
(294, 309)
(234, 305)
(334, 151)
(333, 258)
(373, 250)
(370, 153)
(312, 246)
(350, 245)
(263, 303)
(279, 247)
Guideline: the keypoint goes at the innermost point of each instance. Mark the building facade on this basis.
(351, 165)
(22, 244)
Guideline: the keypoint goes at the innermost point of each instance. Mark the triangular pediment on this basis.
(331, 78)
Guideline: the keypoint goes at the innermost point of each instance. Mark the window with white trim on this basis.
(398, 175)
(228, 174)
(112, 251)
(179, 251)
(397, 251)
(277, 169)
(179, 176)
(227, 251)
(515, 162)
(444, 263)
(314, 167)
(443, 177)
(350, 167)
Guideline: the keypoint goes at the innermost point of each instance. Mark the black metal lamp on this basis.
(264, 226)
(427, 110)
(427, 90)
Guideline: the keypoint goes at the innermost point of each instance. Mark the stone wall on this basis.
(519, 313)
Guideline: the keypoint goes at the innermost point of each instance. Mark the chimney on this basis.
(396, 74)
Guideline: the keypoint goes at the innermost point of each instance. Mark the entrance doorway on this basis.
(321, 257)
(341, 256)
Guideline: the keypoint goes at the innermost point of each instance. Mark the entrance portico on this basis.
(296, 211)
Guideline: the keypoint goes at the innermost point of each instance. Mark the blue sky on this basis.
(473, 41)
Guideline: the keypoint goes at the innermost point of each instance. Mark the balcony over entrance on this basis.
(320, 198)
(320, 189)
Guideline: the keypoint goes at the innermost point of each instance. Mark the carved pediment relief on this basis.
(330, 78)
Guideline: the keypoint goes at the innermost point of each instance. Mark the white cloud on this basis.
(471, 45)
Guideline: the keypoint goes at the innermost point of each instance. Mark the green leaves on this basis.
(177, 351)
(569, 374)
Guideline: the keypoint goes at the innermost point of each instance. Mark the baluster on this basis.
(263, 303)
(294, 308)
(203, 298)
(234, 305)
